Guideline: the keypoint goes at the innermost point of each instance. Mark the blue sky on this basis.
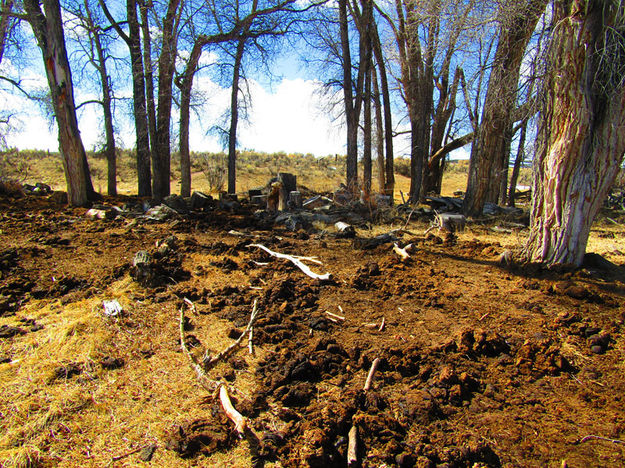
(287, 114)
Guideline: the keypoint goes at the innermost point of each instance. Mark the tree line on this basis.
(446, 73)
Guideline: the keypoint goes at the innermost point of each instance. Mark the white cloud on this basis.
(290, 120)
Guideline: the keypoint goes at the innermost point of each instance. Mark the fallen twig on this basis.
(250, 341)
(240, 423)
(127, 454)
(381, 328)
(403, 253)
(614, 441)
(297, 261)
(369, 381)
(335, 316)
(210, 361)
(352, 446)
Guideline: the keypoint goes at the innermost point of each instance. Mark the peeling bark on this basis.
(581, 141)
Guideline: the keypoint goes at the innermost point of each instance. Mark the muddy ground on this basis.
(481, 364)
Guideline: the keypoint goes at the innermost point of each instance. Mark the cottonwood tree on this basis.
(238, 26)
(95, 50)
(133, 41)
(490, 150)
(427, 35)
(580, 141)
(47, 26)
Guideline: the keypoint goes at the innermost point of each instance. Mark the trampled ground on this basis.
(481, 365)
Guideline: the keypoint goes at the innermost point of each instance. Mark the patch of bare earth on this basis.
(481, 365)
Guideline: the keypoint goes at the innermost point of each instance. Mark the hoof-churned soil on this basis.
(480, 364)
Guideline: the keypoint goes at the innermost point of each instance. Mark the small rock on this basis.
(111, 363)
(597, 349)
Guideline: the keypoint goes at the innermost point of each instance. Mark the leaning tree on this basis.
(581, 133)
(47, 26)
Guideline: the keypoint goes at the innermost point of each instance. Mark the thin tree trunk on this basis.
(486, 165)
(580, 140)
(348, 98)
(234, 117)
(366, 149)
(48, 30)
(6, 8)
(133, 41)
(520, 156)
(379, 131)
(109, 132)
(149, 70)
(185, 86)
(389, 188)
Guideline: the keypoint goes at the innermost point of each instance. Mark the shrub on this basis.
(215, 168)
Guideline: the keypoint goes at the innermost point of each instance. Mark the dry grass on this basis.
(92, 417)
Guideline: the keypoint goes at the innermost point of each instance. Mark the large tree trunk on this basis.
(234, 117)
(149, 70)
(580, 141)
(161, 150)
(48, 30)
(489, 148)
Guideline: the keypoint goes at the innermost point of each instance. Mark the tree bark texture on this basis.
(489, 148)
(379, 131)
(149, 70)
(161, 149)
(581, 139)
(48, 29)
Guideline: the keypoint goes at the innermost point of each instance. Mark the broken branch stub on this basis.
(240, 423)
(295, 261)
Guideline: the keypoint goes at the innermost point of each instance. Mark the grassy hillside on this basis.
(208, 171)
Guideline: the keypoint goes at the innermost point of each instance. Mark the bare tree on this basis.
(580, 144)
(133, 41)
(47, 25)
(96, 52)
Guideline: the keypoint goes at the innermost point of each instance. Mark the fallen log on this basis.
(297, 261)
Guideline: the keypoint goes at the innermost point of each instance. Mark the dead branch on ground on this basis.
(297, 261)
